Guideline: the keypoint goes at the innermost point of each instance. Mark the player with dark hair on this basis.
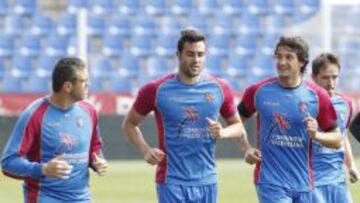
(289, 112)
(186, 106)
(56, 139)
(328, 164)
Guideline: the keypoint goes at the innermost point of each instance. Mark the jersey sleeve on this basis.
(351, 109)
(145, 100)
(327, 114)
(246, 107)
(228, 108)
(21, 156)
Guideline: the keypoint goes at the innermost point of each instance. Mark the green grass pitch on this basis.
(133, 182)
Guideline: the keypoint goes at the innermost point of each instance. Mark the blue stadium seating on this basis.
(182, 7)
(156, 67)
(129, 66)
(30, 45)
(112, 45)
(57, 45)
(238, 65)
(141, 46)
(101, 68)
(4, 7)
(95, 25)
(25, 7)
(67, 24)
(166, 45)
(144, 25)
(219, 45)
(45, 65)
(283, 7)
(11, 84)
(119, 25)
(213, 65)
(169, 25)
(22, 66)
(258, 7)
(14, 24)
(102, 7)
(209, 7)
(233, 7)
(121, 85)
(129, 7)
(223, 25)
(36, 84)
(250, 24)
(74, 5)
(197, 21)
(42, 24)
(245, 45)
(156, 7)
(7, 45)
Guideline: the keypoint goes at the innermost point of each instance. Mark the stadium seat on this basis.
(22, 66)
(233, 7)
(101, 67)
(156, 67)
(66, 24)
(222, 25)
(268, 43)
(112, 45)
(250, 24)
(4, 7)
(238, 65)
(121, 85)
(283, 7)
(14, 24)
(181, 7)
(10, 84)
(129, 7)
(7, 45)
(209, 7)
(119, 25)
(25, 7)
(213, 65)
(141, 46)
(258, 7)
(73, 6)
(156, 7)
(166, 45)
(2, 67)
(274, 24)
(245, 45)
(308, 7)
(169, 25)
(129, 66)
(144, 25)
(30, 45)
(197, 21)
(45, 65)
(102, 7)
(36, 84)
(95, 25)
(42, 24)
(263, 66)
(219, 45)
(57, 45)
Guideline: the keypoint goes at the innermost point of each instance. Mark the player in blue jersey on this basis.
(328, 163)
(56, 140)
(289, 112)
(186, 106)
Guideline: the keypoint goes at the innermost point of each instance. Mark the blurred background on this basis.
(126, 43)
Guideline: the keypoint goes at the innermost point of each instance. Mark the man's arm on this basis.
(350, 163)
(131, 129)
(330, 139)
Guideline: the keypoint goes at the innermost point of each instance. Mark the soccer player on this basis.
(56, 139)
(289, 112)
(186, 106)
(328, 163)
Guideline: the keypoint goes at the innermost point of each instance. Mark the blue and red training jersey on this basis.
(44, 132)
(180, 113)
(328, 163)
(281, 130)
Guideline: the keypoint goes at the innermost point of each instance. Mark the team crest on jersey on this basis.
(209, 97)
(79, 121)
(190, 114)
(302, 106)
(67, 143)
(281, 122)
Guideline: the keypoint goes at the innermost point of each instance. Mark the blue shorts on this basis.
(186, 194)
(268, 193)
(338, 192)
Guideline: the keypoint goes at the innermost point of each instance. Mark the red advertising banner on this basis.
(105, 103)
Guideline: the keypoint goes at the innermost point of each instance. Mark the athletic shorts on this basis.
(337, 192)
(186, 194)
(268, 193)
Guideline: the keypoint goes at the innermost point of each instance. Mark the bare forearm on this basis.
(349, 158)
(136, 138)
(329, 139)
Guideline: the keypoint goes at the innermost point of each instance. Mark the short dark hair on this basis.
(323, 60)
(65, 70)
(191, 36)
(298, 45)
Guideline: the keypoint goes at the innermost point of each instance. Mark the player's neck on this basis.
(188, 80)
(61, 101)
(290, 82)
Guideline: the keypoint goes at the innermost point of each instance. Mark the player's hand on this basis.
(311, 126)
(154, 156)
(215, 128)
(252, 156)
(57, 167)
(100, 164)
(353, 174)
